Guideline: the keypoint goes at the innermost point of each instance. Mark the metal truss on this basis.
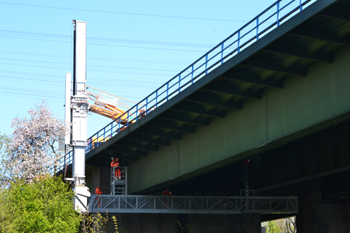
(192, 204)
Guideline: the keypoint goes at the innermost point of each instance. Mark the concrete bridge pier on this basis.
(316, 216)
(198, 223)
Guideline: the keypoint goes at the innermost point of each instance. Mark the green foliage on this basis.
(272, 227)
(96, 223)
(183, 228)
(4, 142)
(115, 223)
(44, 205)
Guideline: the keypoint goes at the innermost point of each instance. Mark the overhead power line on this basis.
(121, 13)
(68, 38)
(94, 58)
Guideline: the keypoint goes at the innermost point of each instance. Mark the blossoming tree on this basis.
(33, 149)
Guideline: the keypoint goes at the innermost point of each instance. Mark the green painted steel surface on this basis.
(281, 115)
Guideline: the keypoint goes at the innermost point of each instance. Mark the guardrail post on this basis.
(278, 13)
(119, 124)
(112, 128)
(222, 53)
(146, 105)
(104, 134)
(137, 111)
(179, 83)
(206, 63)
(301, 5)
(156, 98)
(167, 91)
(239, 37)
(127, 120)
(97, 140)
(257, 28)
(192, 75)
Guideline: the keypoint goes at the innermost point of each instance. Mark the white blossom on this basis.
(33, 149)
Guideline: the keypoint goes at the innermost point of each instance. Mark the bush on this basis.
(44, 205)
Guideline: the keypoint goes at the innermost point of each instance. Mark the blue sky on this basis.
(132, 46)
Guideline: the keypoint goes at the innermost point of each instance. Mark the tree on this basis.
(43, 205)
(4, 141)
(33, 149)
(272, 227)
(285, 225)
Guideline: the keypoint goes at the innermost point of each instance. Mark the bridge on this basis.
(275, 91)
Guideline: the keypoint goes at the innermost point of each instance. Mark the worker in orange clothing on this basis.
(115, 164)
(166, 192)
(98, 192)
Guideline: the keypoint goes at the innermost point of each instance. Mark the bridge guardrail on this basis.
(271, 18)
(192, 204)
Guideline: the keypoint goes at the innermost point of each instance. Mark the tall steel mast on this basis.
(77, 104)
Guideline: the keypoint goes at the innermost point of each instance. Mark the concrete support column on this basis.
(317, 217)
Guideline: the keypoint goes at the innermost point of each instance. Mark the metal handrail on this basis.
(192, 204)
(271, 18)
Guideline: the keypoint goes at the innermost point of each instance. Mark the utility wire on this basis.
(121, 13)
(93, 58)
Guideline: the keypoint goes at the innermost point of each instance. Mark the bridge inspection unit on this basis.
(274, 92)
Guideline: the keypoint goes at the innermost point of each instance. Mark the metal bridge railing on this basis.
(192, 204)
(276, 14)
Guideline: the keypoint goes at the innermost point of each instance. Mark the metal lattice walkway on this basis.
(192, 204)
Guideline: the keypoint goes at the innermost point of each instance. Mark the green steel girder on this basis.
(308, 95)
(183, 117)
(297, 51)
(127, 150)
(123, 157)
(147, 138)
(249, 77)
(227, 88)
(320, 34)
(264, 63)
(156, 131)
(137, 145)
(214, 100)
(168, 124)
(192, 107)
(342, 14)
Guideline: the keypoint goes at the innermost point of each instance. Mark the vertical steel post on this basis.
(79, 104)
(192, 75)
(167, 91)
(278, 13)
(127, 120)
(257, 28)
(156, 98)
(239, 37)
(179, 83)
(206, 63)
(222, 53)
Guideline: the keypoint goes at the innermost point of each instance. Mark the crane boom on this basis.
(108, 105)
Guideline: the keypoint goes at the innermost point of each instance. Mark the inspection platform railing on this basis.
(192, 204)
(268, 20)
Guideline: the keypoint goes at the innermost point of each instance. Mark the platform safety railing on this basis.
(192, 204)
(268, 20)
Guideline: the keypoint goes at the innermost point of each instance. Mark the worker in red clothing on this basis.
(166, 192)
(98, 192)
(115, 164)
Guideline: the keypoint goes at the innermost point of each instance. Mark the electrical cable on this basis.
(121, 13)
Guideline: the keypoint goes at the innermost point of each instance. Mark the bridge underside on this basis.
(284, 101)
